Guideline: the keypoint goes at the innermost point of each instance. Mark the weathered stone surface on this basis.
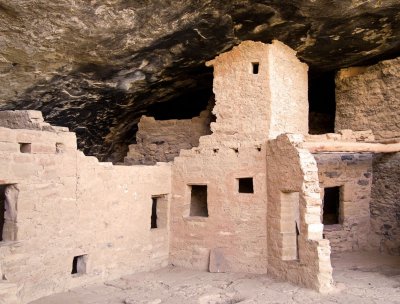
(368, 98)
(32, 120)
(96, 66)
(62, 204)
(218, 262)
(352, 173)
(162, 140)
(8, 292)
(248, 113)
(385, 203)
(294, 216)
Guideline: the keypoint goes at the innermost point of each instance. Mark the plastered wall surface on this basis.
(161, 140)
(257, 105)
(352, 172)
(242, 97)
(236, 222)
(289, 91)
(368, 98)
(70, 205)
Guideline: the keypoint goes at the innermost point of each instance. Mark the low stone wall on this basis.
(161, 140)
(29, 119)
(71, 209)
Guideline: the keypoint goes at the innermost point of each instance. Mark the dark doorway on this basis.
(198, 201)
(331, 206)
(322, 102)
(154, 213)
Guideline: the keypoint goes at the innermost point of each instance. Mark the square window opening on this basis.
(198, 201)
(60, 148)
(331, 205)
(79, 264)
(255, 67)
(246, 185)
(25, 147)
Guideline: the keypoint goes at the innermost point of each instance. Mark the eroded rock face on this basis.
(95, 66)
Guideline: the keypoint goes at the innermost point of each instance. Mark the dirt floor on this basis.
(360, 278)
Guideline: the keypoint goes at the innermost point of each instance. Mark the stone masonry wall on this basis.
(353, 173)
(261, 105)
(242, 97)
(289, 91)
(31, 120)
(236, 223)
(68, 205)
(368, 98)
(246, 84)
(161, 140)
(297, 251)
(385, 202)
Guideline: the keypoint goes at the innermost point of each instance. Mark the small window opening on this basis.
(154, 213)
(79, 264)
(60, 148)
(256, 67)
(331, 206)
(25, 147)
(246, 185)
(198, 201)
(8, 212)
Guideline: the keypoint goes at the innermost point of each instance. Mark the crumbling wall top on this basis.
(27, 119)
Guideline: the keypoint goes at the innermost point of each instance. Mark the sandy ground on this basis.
(360, 278)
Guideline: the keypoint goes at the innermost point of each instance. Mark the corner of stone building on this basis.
(297, 251)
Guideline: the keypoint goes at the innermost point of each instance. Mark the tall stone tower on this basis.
(260, 91)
